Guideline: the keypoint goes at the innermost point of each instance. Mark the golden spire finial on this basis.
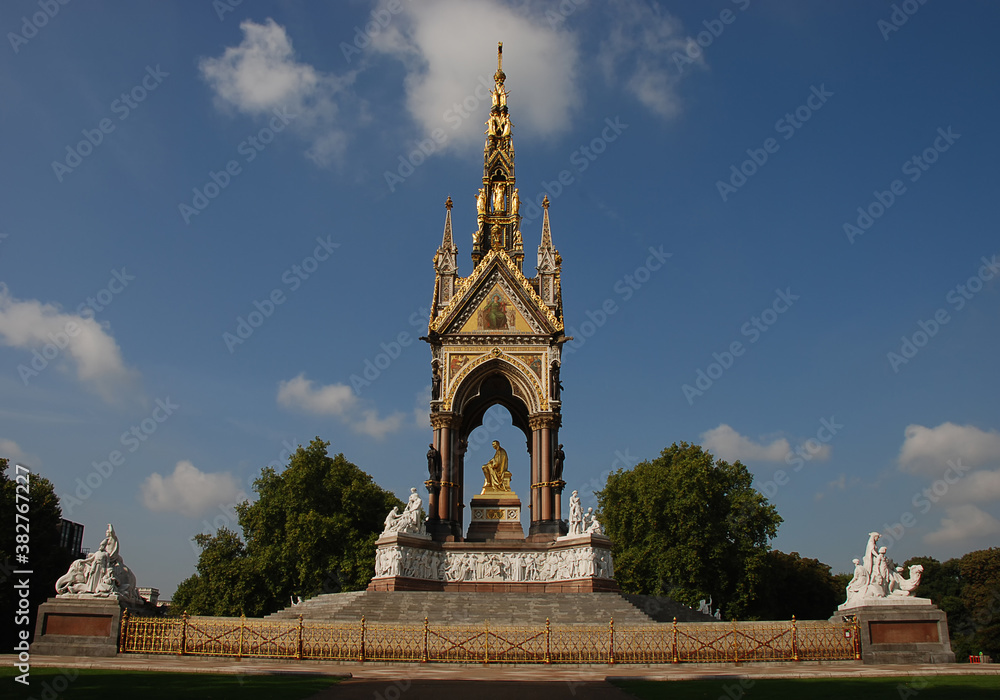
(448, 203)
(499, 76)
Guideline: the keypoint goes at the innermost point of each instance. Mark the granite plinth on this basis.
(78, 626)
(914, 632)
(495, 517)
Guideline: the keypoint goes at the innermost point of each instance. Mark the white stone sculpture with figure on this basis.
(878, 581)
(575, 515)
(101, 574)
(410, 521)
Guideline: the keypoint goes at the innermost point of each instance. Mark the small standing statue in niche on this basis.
(515, 203)
(481, 204)
(436, 383)
(557, 386)
(498, 197)
(434, 463)
(557, 463)
(575, 514)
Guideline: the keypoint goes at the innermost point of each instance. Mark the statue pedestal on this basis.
(411, 563)
(78, 626)
(495, 518)
(901, 631)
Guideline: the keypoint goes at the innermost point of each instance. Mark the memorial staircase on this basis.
(461, 608)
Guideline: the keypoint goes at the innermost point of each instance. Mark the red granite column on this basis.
(545, 464)
(536, 471)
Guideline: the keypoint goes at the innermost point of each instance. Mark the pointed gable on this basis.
(496, 288)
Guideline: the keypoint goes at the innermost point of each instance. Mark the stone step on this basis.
(411, 607)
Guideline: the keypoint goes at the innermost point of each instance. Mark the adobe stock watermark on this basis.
(381, 18)
(899, 16)
(224, 7)
(787, 126)
(580, 159)
(227, 516)
(132, 439)
(389, 352)
(913, 167)
(923, 501)
(454, 116)
(958, 296)
(797, 457)
(625, 288)
(30, 26)
(292, 278)
(621, 461)
(42, 357)
(705, 38)
(249, 148)
(752, 329)
(559, 14)
(123, 106)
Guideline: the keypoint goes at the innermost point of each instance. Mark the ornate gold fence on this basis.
(711, 642)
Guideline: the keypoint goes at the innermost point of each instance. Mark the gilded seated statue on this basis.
(497, 476)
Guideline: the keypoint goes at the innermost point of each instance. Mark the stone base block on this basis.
(78, 627)
(495, 518)
(406, 562)
(903, 634)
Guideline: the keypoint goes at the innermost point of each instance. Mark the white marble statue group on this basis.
(581, 523)
(409, 521)
(563, 564)
(101, 574)
(876, 576)
(705, 608)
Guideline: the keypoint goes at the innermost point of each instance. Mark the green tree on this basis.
(968, 590)
(791, 585)
(311, 530)
(688, 526)
(46, 559)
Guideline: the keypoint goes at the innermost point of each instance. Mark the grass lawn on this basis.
(932, 688)
(101, 685)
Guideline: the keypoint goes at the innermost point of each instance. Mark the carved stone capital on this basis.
(544, 420)
(445, 419)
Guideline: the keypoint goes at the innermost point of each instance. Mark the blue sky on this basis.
(817, 180)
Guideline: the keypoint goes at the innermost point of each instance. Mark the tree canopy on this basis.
(688, 526)
(311, 530)
(968, 590)
(794, 585)
(46, 559)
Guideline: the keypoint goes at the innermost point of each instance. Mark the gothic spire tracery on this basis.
(498, 202)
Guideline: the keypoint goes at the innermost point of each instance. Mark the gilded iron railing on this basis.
(712, 642)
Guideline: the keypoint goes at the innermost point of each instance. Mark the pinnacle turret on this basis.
(498, 203)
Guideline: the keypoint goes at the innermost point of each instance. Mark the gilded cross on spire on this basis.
(499, 76)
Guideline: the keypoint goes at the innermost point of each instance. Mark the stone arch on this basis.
(496, 381)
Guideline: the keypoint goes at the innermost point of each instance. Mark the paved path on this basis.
(535, 673)
(480, 690)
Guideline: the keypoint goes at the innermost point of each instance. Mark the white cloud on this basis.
(927, 451)
(190, 491)
(639, 53)
(12, 451)
(337, 400)
(89, 347)
(727, 444)
(449, 46)
(261, 74)
(963, 523)
(981, 486)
